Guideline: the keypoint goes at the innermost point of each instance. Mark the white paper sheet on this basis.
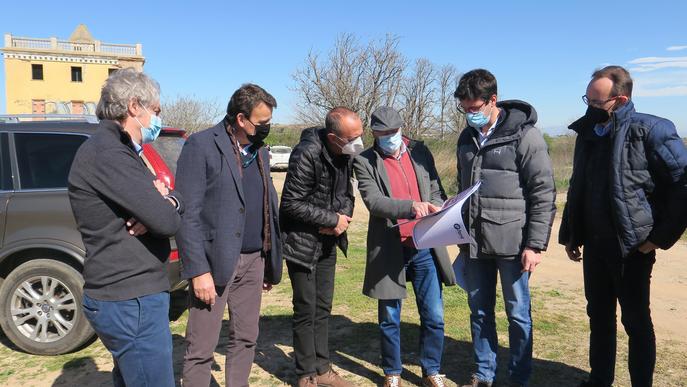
(444, 227)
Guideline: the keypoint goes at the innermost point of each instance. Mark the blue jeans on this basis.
(421, 270)
(137, 334)
(480, 277)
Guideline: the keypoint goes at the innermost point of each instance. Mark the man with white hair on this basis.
(126, 217)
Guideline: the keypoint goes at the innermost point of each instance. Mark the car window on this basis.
(5, 168)
(169, 148)
(44, 159)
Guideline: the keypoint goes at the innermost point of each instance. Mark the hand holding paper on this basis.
(444, 227)
(422, 209)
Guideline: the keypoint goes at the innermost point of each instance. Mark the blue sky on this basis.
(542, 52)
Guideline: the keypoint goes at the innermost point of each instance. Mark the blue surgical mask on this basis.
(477, 120)
(150, 133)
(390, 143)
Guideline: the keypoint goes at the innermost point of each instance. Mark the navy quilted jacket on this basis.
(648, 181)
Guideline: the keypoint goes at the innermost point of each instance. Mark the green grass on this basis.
(560, 345)
(560, 326)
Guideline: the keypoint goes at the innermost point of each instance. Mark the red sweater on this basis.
(403, 182)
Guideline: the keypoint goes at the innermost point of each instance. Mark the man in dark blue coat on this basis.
(229, 239)
(627, 198)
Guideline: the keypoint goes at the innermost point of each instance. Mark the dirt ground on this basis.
(557, 272)
(668, 285)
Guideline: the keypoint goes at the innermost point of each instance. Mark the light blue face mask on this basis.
(476, 120)
(390, 143)
(150, 133)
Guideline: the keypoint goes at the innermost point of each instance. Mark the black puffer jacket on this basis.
(307, 201)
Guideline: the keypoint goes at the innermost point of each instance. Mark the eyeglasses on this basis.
(345, 140)
(594, 102)
(259, 126)
(473, 109)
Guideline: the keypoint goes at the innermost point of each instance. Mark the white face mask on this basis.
(353, 148)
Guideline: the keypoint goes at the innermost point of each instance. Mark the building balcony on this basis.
(54, 45)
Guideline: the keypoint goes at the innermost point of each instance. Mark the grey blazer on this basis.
(385, 276)
(211, 232)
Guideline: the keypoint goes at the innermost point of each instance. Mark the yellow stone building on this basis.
(52, 76)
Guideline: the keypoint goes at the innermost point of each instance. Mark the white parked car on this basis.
(279, 157)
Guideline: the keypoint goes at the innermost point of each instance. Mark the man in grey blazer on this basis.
(398, 181)
(229, 238)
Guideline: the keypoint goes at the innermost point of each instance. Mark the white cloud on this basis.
(661, 84)
(653, 63)
(658, 59)
(660, 76)
(659, 66)
(671, 91)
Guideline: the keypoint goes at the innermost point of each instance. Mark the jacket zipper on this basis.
(405, 176)
(615, 220)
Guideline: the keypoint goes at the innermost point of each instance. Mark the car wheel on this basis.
(40, 308)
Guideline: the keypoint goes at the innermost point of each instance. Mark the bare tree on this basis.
(456, 119)
(191, 113)
(450, 118)
(447, 81)
(360, 77)
(418, 98)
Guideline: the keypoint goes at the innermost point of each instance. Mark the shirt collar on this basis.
(245, 150)
(138, 148)
(484, 137)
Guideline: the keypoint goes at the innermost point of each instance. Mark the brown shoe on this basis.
(392, 381)
(435, 380)
(307, 381)
(332, 379)
(477, 383)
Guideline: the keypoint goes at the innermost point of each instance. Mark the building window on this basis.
(77, 75)
(110, 71)
(37, 72)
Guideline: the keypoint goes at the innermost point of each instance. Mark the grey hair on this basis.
(123, 86)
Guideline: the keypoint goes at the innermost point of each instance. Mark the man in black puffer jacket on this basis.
(316, 207)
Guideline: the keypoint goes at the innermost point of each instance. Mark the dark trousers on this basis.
(609, 279)
(137, 334)
(242, 296)
(312, 305)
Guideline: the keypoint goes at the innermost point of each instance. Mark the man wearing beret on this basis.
(398, 181)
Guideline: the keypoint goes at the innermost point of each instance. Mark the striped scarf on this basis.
(266, 231)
